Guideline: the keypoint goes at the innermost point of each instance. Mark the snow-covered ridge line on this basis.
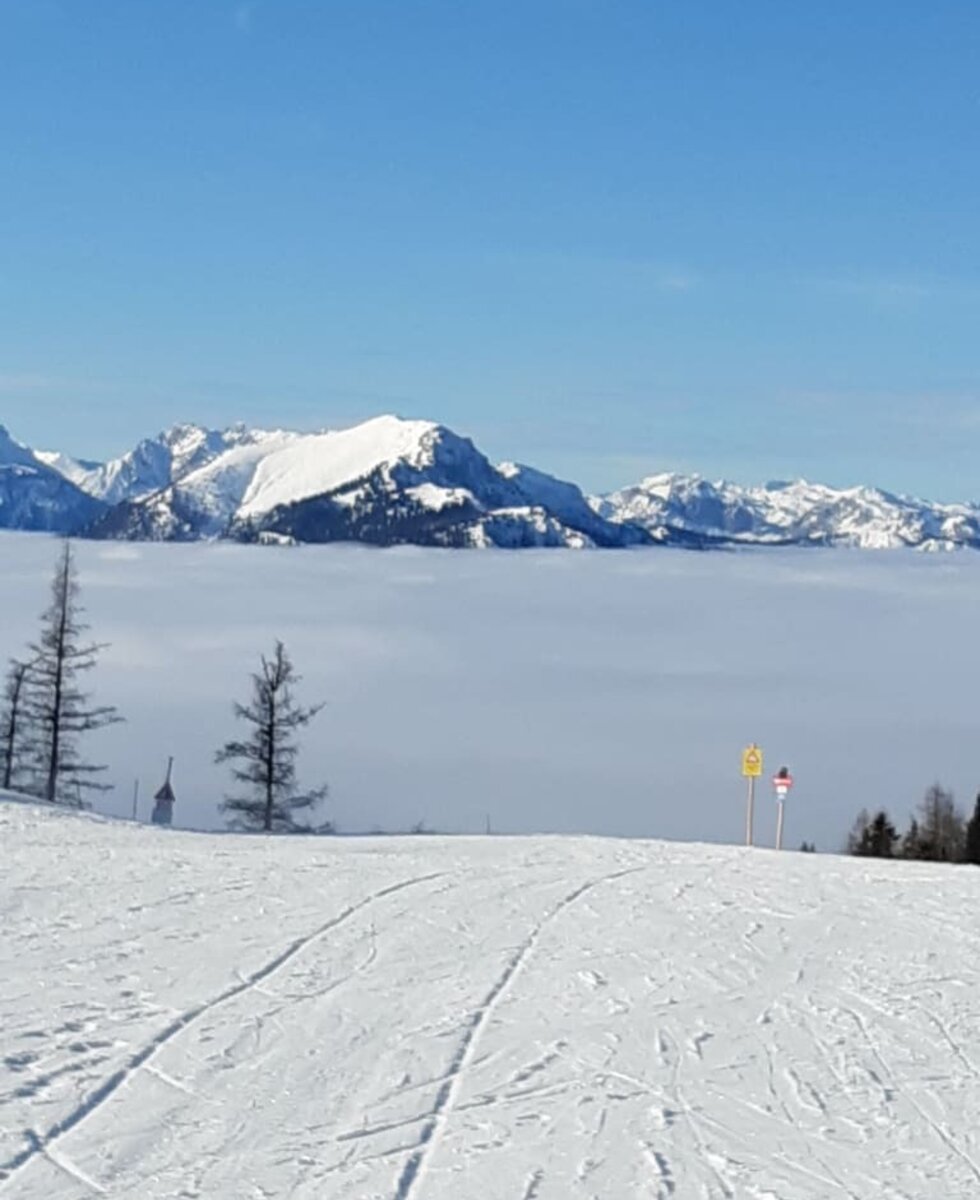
(390, 480)
(385, 481)
(795, 512)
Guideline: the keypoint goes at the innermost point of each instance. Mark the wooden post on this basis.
(779, 823)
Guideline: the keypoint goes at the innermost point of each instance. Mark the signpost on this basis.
(782, 781)
(751, 770)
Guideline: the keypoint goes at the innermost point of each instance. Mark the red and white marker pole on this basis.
(782, 782)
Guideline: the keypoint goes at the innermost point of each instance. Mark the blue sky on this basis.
(605, 237)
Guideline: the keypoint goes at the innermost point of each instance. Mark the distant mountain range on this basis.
(390, 481)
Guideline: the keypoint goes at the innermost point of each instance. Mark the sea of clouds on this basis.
(606, 692)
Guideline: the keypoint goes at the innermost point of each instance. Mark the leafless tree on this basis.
(268, 755)
(14, 744)
(59, 713)
(940, 828)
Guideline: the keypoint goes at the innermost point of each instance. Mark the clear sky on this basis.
(604, 236)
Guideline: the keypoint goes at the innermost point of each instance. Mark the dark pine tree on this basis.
(912, 844)
(59, 713)
(267, 757)
(873, 837)
(14, 745)
(971, 846)
(879, 838)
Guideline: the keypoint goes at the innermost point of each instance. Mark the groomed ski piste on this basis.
(424, 1018)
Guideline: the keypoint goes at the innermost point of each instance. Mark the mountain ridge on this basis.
(391, 480)
(36, 496)
(793, 512)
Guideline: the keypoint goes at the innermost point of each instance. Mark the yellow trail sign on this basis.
(752, 762)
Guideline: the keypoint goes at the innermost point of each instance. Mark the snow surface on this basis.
(436, 498)
(76, 472)
(479, 1019)
(319, 463)
(157, 462)
(217, 488)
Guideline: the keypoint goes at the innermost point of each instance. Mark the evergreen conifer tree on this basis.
(857, 838)
(873, 837)
(911, 846)
(879, 837)
(268, 755)
(971, 849)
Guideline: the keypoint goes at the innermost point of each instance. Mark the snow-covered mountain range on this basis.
(385, 481)
(391, 481)
(796, 513)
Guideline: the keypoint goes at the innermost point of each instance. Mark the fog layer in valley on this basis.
(548, 691)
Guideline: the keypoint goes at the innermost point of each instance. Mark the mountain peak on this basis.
(14, 453)
(396, 479)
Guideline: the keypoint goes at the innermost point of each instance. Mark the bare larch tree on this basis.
(14, 745)
(941, 827)
(58, 711)
(267, 757)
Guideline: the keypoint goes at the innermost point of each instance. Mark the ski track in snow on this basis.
(413, 1171)
(43, 1143)
(480, 1019)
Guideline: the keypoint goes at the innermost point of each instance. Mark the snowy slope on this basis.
(324, 462)
(154, 463)
(797, 512)
(83, 474)
(280, 469)
(214, 490)
(474, 1019)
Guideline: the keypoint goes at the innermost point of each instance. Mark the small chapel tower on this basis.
(163, 801)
